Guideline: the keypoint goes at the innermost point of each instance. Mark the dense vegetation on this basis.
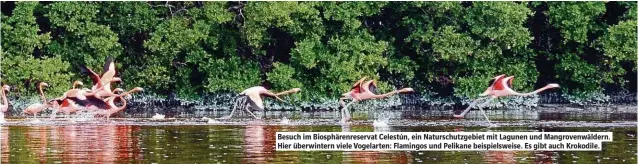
(445, 48)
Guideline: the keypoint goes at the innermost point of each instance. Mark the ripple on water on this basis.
(317, 122)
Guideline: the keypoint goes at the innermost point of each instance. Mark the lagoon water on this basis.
(244, 140)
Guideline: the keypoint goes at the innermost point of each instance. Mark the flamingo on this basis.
(501, 87)
(107, 105)
(5, 103)
(108, 72)
(101, 85)
(108, 75)
(68, 106)
(37, 107)
(363, 91)
(254, 97)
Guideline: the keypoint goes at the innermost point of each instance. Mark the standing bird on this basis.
(254, 97)
(500, 87)
(36, 108)
(5, 103)
(363, 91)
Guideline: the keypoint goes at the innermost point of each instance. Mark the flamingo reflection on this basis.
(73, 144)
(259, 143)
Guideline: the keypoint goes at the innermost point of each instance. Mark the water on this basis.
(246, 140)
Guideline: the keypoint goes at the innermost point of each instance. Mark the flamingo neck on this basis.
(386, 94)
(4, 98)
(128, 93)
(120, 108)
(533, 92)
(285, 92)
(44, 99)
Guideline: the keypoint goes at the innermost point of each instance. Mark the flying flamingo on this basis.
(84, 94)
(108, 75)
(363, 91)
(254, 98)
(37, 107)
(5, 103)
(101, 85)
(500, 87)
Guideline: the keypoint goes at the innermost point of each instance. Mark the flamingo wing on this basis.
(509, 82)
(373, 88)
(491, 83)
(94, 76)
(107, 64)
(357, 85)
(498, 85)
(60, 101)
(91, 100)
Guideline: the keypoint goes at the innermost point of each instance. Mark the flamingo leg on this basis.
(345, 112)
(230, 115)
(469, 107)
(251, 113)
(481, 108)
(234, 108)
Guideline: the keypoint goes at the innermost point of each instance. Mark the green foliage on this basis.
(78, 37)
(501, 22)
(20, 37)
(194, 48)
(576, 19)
(237, 75)
(620, 43)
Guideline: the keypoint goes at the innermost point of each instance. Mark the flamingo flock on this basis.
(100, 99)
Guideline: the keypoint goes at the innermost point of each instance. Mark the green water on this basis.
(256, 144)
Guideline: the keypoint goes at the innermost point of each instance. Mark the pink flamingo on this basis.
(363, 91)
(500, 87)
(108, 107)
(37, 107)
(5, 103)
(254, 98)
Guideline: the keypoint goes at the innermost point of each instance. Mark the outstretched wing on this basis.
(373, 89)
(87, 71)
(357, 85)
(491, 83)
(108, 62)
(91, 100)
(509, 82)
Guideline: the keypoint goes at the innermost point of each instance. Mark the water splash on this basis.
(2, 120)
(285, 121)
(210, 120)
(381, 122)
(158, 116)
(35, 121)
